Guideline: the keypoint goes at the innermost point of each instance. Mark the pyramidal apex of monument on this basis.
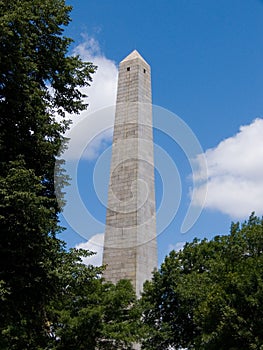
(132, 56)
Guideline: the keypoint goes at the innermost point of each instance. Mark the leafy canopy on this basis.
(38, 80)
(209, 295)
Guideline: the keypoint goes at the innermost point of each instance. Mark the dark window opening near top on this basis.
(144, 71)
(128, 69)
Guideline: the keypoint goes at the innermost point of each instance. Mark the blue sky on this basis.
(206, 58)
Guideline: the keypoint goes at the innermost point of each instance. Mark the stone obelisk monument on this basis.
(130, 248)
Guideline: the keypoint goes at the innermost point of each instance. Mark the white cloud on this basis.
(235, 173)
(177, 246)
(91, 127)
(94, 244)
(102, 92)
(97, 144)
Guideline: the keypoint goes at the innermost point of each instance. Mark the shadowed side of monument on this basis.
(130, 248)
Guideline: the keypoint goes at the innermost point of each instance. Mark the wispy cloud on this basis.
(94, 244)
(177, 246)
(235, 173)
(101, 94)
(99, 142)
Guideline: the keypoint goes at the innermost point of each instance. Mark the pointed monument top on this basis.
(133, 55)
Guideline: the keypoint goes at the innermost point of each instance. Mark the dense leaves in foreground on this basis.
(38, 81)
(210, 294)
(88, 313)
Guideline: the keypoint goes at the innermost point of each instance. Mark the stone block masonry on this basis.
(130, 248)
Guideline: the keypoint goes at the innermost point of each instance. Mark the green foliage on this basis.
(209, 295)
(38, 80)
(88, 313)
(28, 252)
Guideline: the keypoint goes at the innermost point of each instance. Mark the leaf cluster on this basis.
(38, 80)
(209, 295)
(87, 312)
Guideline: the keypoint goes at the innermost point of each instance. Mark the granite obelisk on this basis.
(130, 248)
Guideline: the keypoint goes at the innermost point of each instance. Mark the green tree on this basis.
(209, 295)
(38, 81)
(88, 313)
